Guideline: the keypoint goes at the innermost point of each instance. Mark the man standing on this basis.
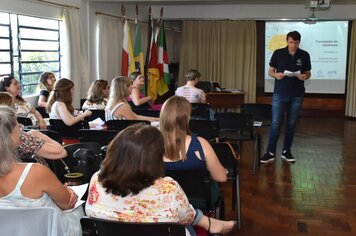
(290, 66)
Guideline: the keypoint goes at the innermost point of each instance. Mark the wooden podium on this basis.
(219, 100)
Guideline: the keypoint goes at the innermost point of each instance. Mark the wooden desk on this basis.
(225, 100)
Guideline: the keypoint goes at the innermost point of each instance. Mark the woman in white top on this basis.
(60, 103)
(24, 185)
(23, 108)
(118, 107)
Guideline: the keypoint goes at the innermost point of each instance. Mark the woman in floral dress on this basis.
(130, 186)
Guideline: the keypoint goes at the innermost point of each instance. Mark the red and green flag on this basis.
(162, 56)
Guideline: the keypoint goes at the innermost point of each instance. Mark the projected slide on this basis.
(326, 42)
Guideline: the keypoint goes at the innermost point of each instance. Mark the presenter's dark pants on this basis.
(283, 105)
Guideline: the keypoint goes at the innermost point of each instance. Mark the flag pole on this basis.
(123, 10)
(148, 49)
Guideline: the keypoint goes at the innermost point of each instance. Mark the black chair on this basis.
(82, 101)
(122, 124)
(146, 112)
(103, 152)
(100, 227)
(96, 114)
(197, 185)
(204, 85)
(53, 135)
(229, 158)
(71, 162)
(67, 131)
(260, 112)
(43, 112)
(207, 129)
(103, 137)
(201, 111)
(144, 106)
(25, 121)
(239, 127)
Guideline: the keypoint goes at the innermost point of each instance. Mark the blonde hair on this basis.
(174, 125)
(7, 125)
(118, 90)
(61, 92)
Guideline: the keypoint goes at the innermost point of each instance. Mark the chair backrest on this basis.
(71, 148)
(227, 155)
(21, 221)
(196, 185)
(96, 114)
(100, 227)
(43, 112)
(204, 85)
(142, 106)
(260, 112)
(207, 129)
(122, 124)
(200, 111)
(231, 121)
(67, 131)
(24, 121)
(71, 162)
(55, 135)
(146, 112)
(103, 137)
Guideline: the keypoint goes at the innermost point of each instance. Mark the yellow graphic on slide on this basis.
(277, 41)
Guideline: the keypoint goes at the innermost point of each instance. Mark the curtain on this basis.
(77, 53)
(109, 46)
(351, 81)
(223, 51)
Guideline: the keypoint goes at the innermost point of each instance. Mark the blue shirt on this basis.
(282, 60)
(192, 162)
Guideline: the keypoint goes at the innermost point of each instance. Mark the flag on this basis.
(162, 56)
(128, 61)
(138, 52)
(152, 69)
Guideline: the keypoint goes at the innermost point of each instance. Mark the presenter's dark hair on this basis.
(295, 35)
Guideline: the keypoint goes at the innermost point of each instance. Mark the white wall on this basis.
(30, 8)
(173, 12)
(254, 11)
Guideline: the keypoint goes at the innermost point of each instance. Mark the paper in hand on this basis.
(291, 73)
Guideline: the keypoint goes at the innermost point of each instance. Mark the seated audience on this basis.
(136, 96)
(118, 107)
(23, 108)
(34, 144)
(130, 186)
(189, 91)
(60, 103)
(45, 86)
(24, 185)
(98, 94)
(184, 151)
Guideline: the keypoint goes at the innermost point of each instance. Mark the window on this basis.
(28, 47)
